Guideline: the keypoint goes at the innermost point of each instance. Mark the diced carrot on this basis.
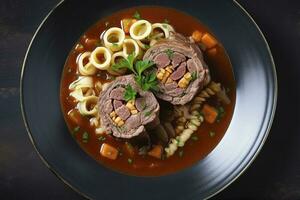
(129, 149)
(75, 116)
(108, 151)
(210, 113)
(156, 151)
(126, 24)
(208, 40)
(197, 35)
(212, 52)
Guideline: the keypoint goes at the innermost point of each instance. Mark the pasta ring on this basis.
(83, 106)
(114, 33)
(87, 69)
(81, 82)
(113, 59)
(137, 31)
(163, 27)
(96, 62)
(126, 49)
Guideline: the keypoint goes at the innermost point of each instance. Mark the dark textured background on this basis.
(275, 174)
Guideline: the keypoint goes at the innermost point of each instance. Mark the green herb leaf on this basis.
(85, 137)
(170, 53)
(130, 93)
(212, 134)
(221, 113)
(195, 138)
(148, 113)
(142, 65)
(101, 138)
(125, 63)
(115, 45)
(194, 76)
(137, 15)
(129, 160)
(76, 129)
(166, 21)
(146, 46)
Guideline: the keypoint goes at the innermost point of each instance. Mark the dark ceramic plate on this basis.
(255, 103)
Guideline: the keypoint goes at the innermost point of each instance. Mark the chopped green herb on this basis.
(143, 105)
(115, 45)
(194, 76)
(166, 21)
(148, 113)
(76, 129)
(170, 53)
(221, 113)
(106, 24)
(195, 138)
(212, 134)
(146, 46)
(165, 26)
(130, 93)
(146, 82)
(137, 15)
(180, 153)
(101, 138)
(85, 137)
(129, 160)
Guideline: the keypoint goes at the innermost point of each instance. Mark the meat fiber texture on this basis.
(185, 56)
(112, 99)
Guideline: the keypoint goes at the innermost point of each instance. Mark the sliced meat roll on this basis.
(127, 119)
(180, 68)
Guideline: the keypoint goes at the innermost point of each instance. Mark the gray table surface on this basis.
(275, 174)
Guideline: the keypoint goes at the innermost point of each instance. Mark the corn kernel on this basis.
(112, 114)
(169, 80)
(118, 119)
(188, 76)
(121, 123)
(133, 112)
(130, 106)
(169, 69)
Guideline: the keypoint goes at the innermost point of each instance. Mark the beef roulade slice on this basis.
(180, 68)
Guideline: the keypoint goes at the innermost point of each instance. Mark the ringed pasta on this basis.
(140, 29)
(81, 82)
(103, 52)
(88, 68)
(130, 46)
(113, 38)
(82, 94)
(85, 107)
(114, 58)
(163, 27)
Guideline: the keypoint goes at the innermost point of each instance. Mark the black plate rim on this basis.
(250, 161)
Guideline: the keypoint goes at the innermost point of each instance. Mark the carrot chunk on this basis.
(210, 113)
(156, 151)
(209, 41)
(126, 24)
(108, 151)
(197, 35)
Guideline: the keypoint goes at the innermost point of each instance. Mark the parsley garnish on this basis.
(146, 82)
(221, 113)
(146, 46)
(136, 15)
(212, 134)
(115, 44)
(194, 76)
(148, 113)
(85, 137)
(102, 138)
(195, 138)
(130, 93)
(129, 160)
(166, 21)
(170, 53)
